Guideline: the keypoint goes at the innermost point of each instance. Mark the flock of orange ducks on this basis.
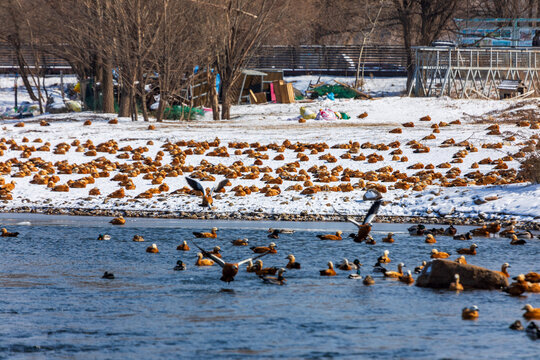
(133, 161)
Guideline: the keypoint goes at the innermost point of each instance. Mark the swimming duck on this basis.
(531, 313)
(470, 313)
(516, 241)
(466, 236)
(494, 227)
(271, 248)
(395, 274)
(483, 231)
(418, 269)
(228, 270)
(368, 280)
(468, 251)
(388, 238)
(138, 238)
(108, 275)
(180, 266)
(370, 240)
(356, 264)
(274, 234)
(240, 242)
(292, 264)
(430, 239)
(118, 221)
(356, 276)
(215, 251)
(152, 249)
(417, 230)
(532, 276)
(330, 271)
(279, 280)
(104, 237)
(450, 231)
(504, 270)
(281, 231)
(407, 278)
(335, 237)
(365, 228)
(435, 231)
(456, 285)
(5, 233)
(264, 271)
(435, 254)
(207, 235)
(206, 194)
(517, 288)
(508, 232)
(183, 246)
(203, 262)
(384, 259)
(516, 325)
(525, 235)
(533, 330)
(251, 268)
(533, 288)
(345, 265)
(461, 260)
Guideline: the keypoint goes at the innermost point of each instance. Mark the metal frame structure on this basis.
(458, 72)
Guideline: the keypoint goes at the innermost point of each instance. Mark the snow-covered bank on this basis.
(272, 124)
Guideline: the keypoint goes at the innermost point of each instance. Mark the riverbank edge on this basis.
(258, 216)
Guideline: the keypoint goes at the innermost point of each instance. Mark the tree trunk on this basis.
(107, 86)
(226, 103)
(212, 93)
(24, 74)
(125, 104)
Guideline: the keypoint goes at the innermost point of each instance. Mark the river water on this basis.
(55, 305)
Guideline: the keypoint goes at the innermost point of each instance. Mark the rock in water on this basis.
(440, 273)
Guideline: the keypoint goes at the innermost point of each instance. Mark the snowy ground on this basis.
(273, 124)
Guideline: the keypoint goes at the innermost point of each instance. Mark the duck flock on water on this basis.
(276, 275)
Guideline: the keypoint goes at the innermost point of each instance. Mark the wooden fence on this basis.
(304, 59)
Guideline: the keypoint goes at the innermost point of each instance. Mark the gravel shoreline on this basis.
(252, 216)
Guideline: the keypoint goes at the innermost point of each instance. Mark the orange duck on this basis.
(118, 221)
(207, 235)
(5, 233)
(483, 231)
(516, 241)
(395, 274)
(215, 251)
(203, 262)
(240, 242)
(430, 239)
(207, 199)
(531, 313)
(468, 251)
(330, 271)
(504, 270)
(456, 285)
(494, 227)
(508, 232)
(470, 313)
(388, 238)
(333, 237)
(518, 287)
(435, 254)
(152, 249)
(365, 228)
(407, 278)
(260, 270)
(292, 264)
(533, 277)
(461, 260)
(384, 259)
(183, 246)
(271, 248)
(228, 270)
